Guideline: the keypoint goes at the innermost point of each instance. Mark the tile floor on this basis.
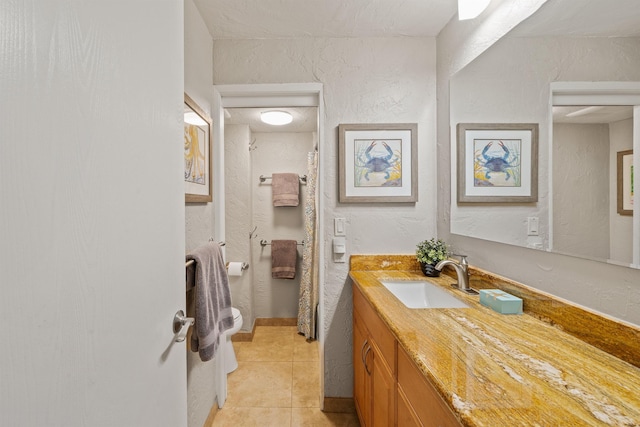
(277, 384)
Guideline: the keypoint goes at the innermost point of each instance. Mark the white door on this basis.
(91, 213)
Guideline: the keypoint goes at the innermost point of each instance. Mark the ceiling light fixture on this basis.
(277, 118)
(469, 9)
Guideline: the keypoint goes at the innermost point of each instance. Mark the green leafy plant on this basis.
(432, 251)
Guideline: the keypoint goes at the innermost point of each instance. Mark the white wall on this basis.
(276, 152)
(239, 214)
(376, 80)
(91, 213)
(198, 63)
(581, 197)
(621, 139)
(605, 288)
(199, 217)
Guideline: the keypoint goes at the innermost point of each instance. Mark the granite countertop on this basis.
(506, 370)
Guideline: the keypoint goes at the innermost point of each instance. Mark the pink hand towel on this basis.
(285, 189)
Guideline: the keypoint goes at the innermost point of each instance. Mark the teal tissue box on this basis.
(500, 301)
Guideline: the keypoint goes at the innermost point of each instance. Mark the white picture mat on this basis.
(351, 136)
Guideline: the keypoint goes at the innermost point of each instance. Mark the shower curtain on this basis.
(307, 305)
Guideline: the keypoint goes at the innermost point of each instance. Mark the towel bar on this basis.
(264, 243)
(302, 179)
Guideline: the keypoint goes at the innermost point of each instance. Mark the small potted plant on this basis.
(429, 253)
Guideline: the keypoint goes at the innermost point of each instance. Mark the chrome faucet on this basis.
(462, 271)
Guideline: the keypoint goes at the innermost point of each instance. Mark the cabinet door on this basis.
(383, 388)
(361, 386)
(422, 396)
(406, 416)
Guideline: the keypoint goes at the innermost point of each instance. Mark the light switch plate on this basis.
(532, 226)
(339, 225)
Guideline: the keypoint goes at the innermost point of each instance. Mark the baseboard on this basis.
(212, 415)
(344, 405)
(241, 336)
(277, 321)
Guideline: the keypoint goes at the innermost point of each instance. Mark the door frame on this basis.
(272, 95)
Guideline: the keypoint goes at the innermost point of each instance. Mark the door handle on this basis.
(181, 325)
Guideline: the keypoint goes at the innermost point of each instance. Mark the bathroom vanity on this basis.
(475, 367)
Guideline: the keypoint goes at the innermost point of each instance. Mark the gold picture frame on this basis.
(198, 144)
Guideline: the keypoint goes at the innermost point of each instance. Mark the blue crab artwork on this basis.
(377, 164)
(497, 165)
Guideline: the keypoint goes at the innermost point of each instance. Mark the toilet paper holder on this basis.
(244, 266)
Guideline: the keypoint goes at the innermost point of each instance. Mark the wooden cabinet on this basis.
(389, 390)
(374, 356)
(420, 397)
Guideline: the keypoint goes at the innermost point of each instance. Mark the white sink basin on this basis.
(420, 294)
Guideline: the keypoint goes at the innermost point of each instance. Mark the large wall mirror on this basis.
(576, 211)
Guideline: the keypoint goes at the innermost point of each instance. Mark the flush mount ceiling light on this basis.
(277, 118)
(469, 9)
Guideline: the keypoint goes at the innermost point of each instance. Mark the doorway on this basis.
(292, 96)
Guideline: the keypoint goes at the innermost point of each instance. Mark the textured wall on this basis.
(276, 152)
(605, 288)
(375, 80)
(199, 218)
(621, 139)
(239, 212)
(581, 189)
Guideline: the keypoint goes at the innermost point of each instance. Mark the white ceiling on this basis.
(599, 115)
(598, 18)
(258, 19)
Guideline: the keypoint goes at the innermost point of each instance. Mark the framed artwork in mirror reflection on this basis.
(625, 182)
(197, 153)
(497, 163)
(378, 163)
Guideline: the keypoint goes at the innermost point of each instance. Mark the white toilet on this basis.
(230, 361)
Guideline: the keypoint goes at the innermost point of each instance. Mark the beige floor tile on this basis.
(314, 417)
(305, 390)
(303, 350)
(269, 333)
(276, 350)
(260, 384)
(252, 417)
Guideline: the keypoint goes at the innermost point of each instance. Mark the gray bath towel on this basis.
(285, 189)
(212, 300)
(284, 255)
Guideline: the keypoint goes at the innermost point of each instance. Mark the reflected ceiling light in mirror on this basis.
(276, 118)
(193, 119)
(583, 111)
(469, 9)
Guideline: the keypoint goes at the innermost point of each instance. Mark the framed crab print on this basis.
(378, 163)
(497, 163)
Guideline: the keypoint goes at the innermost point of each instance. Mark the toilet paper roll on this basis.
(235, 269)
